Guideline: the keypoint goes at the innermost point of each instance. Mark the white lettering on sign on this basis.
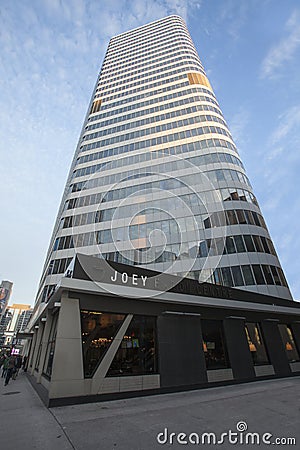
(124, 278)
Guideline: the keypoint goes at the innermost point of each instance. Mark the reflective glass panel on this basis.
(98, 331)
(214, 344)
(137, 352)
(256, 344)
(289, 343)
(50, 348)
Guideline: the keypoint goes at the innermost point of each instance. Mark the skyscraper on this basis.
(5, 293)
(15, 320)
(156, 179)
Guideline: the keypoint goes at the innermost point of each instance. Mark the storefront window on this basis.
(38, 357)
(37, 361)
(98, 331)
(137, 352)
(289, 343)
(256, 344)
(50, 348)
(214, 345)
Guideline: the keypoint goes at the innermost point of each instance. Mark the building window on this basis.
(98, 331)
(137, 353)
(256, 344)
(227, 278)
(198, 78)
(37, 361)
(248, 277)
(214, 345)
(50, 348)
(96, 106)
(237, 276)
(259, 278)
(289, 342)
(39, 351)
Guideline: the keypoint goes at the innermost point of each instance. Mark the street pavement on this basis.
(259, 413)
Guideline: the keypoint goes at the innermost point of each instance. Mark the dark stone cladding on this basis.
(91, 268)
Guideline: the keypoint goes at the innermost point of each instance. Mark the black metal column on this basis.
(181, 356)
(275, 348)
(238, 349)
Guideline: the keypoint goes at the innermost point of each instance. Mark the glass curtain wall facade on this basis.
(156, 179)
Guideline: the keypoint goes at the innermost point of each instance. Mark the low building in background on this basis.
(15, 320)
(5, 293)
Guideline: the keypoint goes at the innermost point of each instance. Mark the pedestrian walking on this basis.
(10, 369)
(24, 363)
(18, 364)
(5, 366)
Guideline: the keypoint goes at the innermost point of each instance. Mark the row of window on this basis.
(234, 217)
(151, 57)
(138, 45)
(164, 168)
(133, 52)
(179, 60)
(49, 288)
(226, 194)
(240, 243)
(243, 275)
(215, 348)
(119, 46)
(168, 24)
(158, 100)
(143, 88)
(157, 140)
(140, 85)
(138, 350)
(147, 156)
(143, 95)
(116, 49)
(168, 226)
(234, 276)
(192, 200)
(58, 266)
(151, 75)
(168, 115)
(120, 86)
(137, 353)
(163, 27)
(220, 175)
(233, 194)
(157, 129)
(169, 184)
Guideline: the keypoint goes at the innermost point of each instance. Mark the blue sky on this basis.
(51, 53)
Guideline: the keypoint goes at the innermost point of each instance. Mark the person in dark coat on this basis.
(10, 369)
(18, 365)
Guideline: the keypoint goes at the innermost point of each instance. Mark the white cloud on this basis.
(288, 122)
(235, 15)
(285, 50)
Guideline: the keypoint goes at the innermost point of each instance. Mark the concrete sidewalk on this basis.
(25, 423)
(133, 424)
